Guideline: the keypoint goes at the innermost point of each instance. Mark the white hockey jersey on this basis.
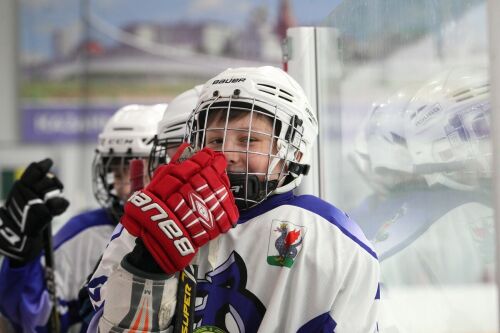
(293, 264)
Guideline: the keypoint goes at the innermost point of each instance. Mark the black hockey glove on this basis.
(30, 206)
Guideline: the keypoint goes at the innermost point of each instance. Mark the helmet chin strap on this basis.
(248, 193)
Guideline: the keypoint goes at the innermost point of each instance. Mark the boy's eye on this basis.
(248, 139)
(215, 141)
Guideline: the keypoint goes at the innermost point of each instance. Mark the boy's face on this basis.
(121, 178)
(121, 181)
(239, 139)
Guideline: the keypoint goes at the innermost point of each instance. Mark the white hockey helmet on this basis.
(380, 152)
(172, 128)
(448, 129)
(272, 93)
(385, 136)
(128, 134)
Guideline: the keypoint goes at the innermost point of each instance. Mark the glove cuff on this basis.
(141, 263)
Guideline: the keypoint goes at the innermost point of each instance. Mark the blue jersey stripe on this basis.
(323, 323)
(117, 232)
(336, 217)
(316, 206)
(79, 223)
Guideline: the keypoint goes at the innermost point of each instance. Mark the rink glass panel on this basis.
(404, 105)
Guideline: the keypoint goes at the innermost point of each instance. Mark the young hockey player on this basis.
(290, 264)
(171, 131)
(80, 242)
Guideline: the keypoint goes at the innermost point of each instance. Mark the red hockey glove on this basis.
(185, 205)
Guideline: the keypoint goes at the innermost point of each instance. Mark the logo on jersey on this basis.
(223, 302)
(285, 242)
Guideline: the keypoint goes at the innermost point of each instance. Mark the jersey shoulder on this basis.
(82, 222)
(336, 217)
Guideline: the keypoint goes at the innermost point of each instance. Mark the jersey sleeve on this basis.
(25, 299)
(120, 244)
(355, 307)
(341, 249)
(356, 304)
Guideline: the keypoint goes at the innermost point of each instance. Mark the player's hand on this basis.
(186, 204)
(32, 202)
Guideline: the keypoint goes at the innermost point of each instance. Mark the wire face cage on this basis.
(260, 141)
(162, 151)
(111, 181)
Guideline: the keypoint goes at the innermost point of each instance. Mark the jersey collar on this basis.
(265, 206)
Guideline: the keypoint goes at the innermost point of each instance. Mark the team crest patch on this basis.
(285, 242)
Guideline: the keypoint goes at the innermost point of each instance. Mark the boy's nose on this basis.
(233, 155)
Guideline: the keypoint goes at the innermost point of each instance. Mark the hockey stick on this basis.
(53, 325)
(186, 287)
(186, 299)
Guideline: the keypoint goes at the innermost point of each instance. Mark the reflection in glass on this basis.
(427, 157)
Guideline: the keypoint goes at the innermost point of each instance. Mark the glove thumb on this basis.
(57, 205)
(182, 153)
